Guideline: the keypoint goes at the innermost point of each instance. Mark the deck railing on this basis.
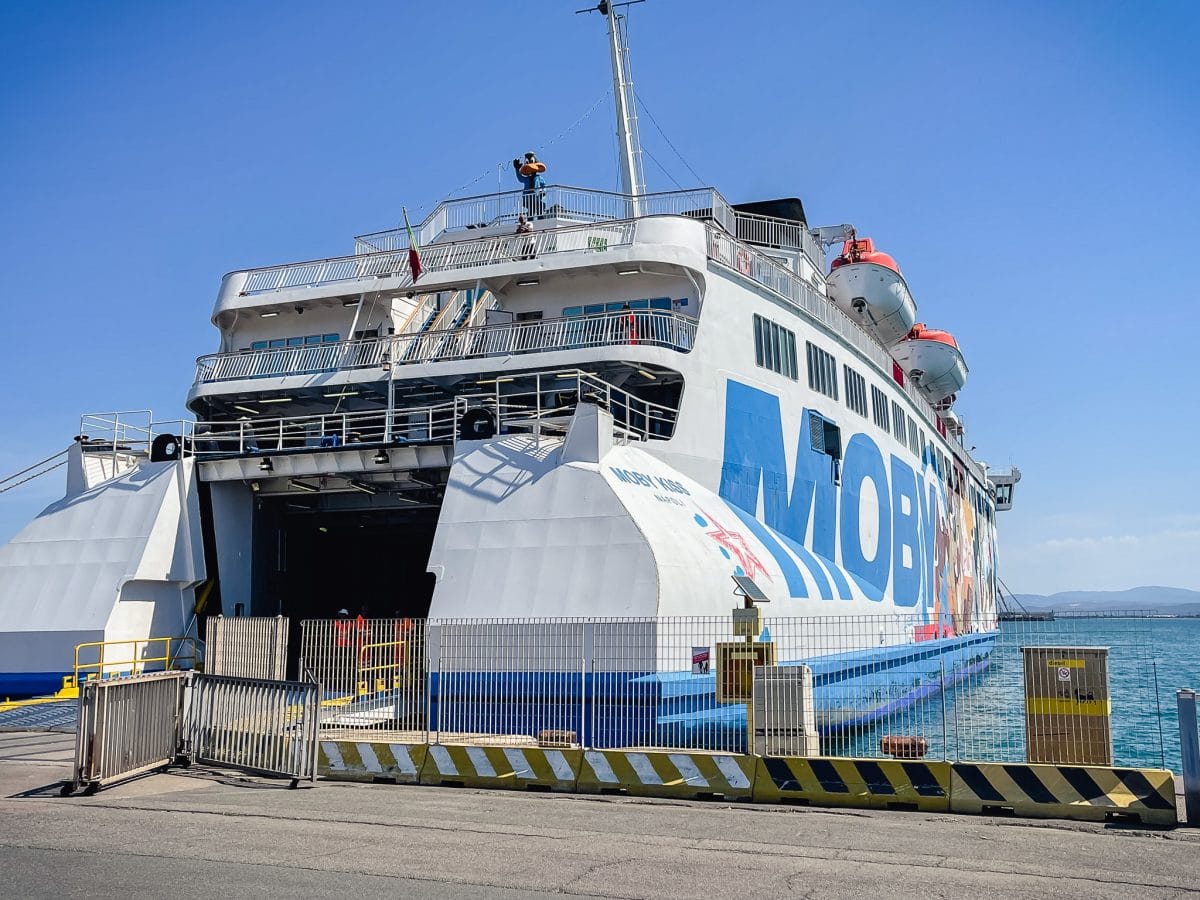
(565, 203)
(639, 328)
(440, 257)
(538, 403)
(560, 202)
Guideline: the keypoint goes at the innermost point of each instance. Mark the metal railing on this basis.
(806, 301)
(638, 328)
(126, 726)
(105, 659)
(255, 724)
(246, 646)
(561, 202)
(436, 424)
(881, 685)
(440, 257)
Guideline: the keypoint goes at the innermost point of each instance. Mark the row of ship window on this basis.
(775, 349)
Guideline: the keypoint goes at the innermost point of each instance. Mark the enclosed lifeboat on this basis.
(867, 285)
(932, 360)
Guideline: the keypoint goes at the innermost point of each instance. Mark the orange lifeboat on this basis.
(866, 284)
(932, 360)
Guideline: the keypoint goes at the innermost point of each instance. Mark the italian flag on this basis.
(414, 252)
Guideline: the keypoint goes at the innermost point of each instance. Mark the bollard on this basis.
(1189, 746)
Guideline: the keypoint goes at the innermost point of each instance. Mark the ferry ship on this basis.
(548, 402)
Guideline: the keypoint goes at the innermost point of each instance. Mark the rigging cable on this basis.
(34, 466)
(9, 487)
(654, 122)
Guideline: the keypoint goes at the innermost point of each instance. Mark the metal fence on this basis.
(247, 646)
(878, 682)
(253, 723)
(126, 726)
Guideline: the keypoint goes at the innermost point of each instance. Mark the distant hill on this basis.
(1179, 601)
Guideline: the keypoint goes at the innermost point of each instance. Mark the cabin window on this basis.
(775, 348)
(532, 316)
(879, 407)
(569, 311)
(856, 391)
(660, 303)
(593, 309)
(822, 371)
(898, 430)
(258, 345)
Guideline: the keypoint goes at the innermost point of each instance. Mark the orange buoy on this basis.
(903, 746)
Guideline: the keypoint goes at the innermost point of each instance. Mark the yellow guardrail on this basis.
(130, 657)
(381, 676)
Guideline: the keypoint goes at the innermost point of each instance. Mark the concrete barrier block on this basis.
(858, 783)
(520, 768)
(370, 761)
(1088, 793)
(682, 774)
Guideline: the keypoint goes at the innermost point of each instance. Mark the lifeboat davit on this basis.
(867, 285)
(932, 360)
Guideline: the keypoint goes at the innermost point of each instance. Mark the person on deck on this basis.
(529, 173)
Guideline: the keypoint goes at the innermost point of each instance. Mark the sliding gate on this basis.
(137, 724)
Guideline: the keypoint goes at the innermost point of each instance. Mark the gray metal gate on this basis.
(132, 725)
(246, 646)
(255, 724)
(126, 726)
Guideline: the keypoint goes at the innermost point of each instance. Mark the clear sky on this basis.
(1033, 166)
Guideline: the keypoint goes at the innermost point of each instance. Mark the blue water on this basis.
(982, 718)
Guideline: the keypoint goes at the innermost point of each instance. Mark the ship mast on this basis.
(633, 183)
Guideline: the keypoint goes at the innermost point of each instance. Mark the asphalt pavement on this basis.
(207, 833)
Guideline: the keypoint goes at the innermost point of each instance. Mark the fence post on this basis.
(433, 666)
(1189, 746)
(586, 683)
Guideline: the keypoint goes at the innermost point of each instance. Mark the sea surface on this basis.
(983, 717)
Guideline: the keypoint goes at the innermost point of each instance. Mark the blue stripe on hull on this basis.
(19, 685)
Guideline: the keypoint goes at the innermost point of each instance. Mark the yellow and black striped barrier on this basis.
(655, 773)
(371, 761)
(1087, 793)
(523, 768)
(1040, 790)
(859, 783)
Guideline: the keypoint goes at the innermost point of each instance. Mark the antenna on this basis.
(633, 182)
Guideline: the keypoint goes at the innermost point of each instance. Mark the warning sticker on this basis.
(1064, 673)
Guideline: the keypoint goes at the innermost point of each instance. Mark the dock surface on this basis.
(206, 833)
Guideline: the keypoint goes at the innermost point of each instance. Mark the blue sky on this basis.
(1034, 167)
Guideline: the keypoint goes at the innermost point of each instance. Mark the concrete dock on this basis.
(207, 833)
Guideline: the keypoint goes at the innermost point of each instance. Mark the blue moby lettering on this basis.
(802, 527)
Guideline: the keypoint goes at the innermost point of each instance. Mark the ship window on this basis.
(879, 406)
(312, 339)
(532, 316)
(822, 371)
(856, 391)
(259, 345)
(593, 309)
(898, 423)
(775, 348)
(660, 303)
(329, 338)
(295, 342)
(639, 304)
(277, 342)
(573, 311)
